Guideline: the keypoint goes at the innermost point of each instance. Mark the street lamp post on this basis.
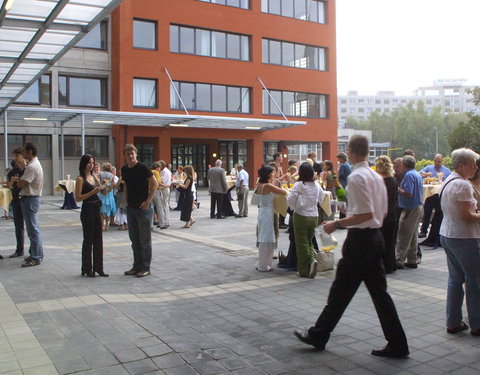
(436, 139)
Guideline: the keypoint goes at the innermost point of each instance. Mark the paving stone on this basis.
(141, 367)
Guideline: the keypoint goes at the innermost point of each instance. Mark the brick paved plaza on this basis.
(204, 309)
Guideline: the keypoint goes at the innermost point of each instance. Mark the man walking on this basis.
(242, 191)
(410, 201)
(141, 186)
(164, 191)
(31, 183)
(217, 187)
(362, 258)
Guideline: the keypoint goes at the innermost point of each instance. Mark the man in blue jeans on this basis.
(31, 184)
(141, 186)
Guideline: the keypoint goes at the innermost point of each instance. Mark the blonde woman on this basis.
(384, 167)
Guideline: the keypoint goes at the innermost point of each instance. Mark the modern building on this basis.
(452, 96)
(376, 149)
(190, 81)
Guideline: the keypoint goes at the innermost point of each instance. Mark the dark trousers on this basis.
(141, 236)
(430, 203)
(19, 226)
(362, 261)
(216, 199)
(92, 238)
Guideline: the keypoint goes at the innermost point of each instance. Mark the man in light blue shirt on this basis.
(242, 191)
(437, 170)
(410, 201)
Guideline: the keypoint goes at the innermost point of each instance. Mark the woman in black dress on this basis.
(86, 189)
(384, 168)
(186, 214)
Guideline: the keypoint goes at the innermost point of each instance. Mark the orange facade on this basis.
(129, 63)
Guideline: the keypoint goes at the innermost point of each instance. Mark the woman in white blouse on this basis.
(303, 200)
(460, 238)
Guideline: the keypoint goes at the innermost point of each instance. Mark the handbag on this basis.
(326, 260)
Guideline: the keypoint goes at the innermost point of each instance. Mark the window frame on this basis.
(265, 8)
(211, 94)
(177, 48)
(75, 136)
(156, 92)
(145, 20)
(249, 6)
(103, 80)
(307, 95)
(38, 82)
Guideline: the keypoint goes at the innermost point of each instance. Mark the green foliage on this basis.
(413, 128)
(422, 164)
(447, 162)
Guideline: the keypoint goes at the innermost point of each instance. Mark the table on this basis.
(5, 198)
(429, 190)
(280, 204)
(231, 181)
(68, 186)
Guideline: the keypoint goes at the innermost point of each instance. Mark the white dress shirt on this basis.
(242, 176)
(366, 193)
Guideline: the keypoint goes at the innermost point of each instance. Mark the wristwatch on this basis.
(337, 224)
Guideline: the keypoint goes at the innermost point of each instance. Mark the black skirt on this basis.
(186, 213)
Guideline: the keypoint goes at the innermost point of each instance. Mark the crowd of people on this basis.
(382, 207)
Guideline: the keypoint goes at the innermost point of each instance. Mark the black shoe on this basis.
(411, 265)
(212, 216)
(389, 352)
(304, 336)
(1, 256)
(221, 217)
(103, 274)
(143, 273)
(131, 272)
(88, 274)
(16, 255)
(422, 235)
(27, 258)
(238, 216)
(283, 226)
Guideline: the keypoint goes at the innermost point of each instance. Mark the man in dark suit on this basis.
(217, 187)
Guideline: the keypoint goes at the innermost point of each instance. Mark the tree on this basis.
(467, 134)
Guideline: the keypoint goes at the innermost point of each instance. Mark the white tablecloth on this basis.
(429, 190)
(68, 185)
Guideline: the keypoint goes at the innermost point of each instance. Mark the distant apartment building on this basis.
(452, 96)
(376, 149)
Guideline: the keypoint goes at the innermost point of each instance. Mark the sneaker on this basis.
(27, 258)
(313, 269)
(31, 263)
(15, 255)
(143, 273)
(131, 272)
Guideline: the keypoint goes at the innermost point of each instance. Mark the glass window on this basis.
(265, 53)
(296, 104)
(300, 59)
(202, 42)
(288, 54)
(311, 55)
(82, 92)
(233, 46)
(94, 145)
(144, 34)
(245, 47)
(144, 93)
(174, 39)
(187, 92)
(174, 100)
(43, 143)
(322, 59)
(219, 98)
(300, 9)
(37, 93)
(275, 52)
(287, 8)
(210, 43)
(233, 99)
(274, 7)
(218, 44)
(96, 38)
(245, 100)
(312, 10)
(203, 101)
(321, 12)
(187, 44)
(233, 3)
(244, 4)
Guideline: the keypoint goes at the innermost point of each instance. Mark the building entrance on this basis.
(193, 154)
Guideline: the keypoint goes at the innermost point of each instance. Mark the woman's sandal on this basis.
(462, 327)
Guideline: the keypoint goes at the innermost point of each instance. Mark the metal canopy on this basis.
(34, 34)
(74, 116)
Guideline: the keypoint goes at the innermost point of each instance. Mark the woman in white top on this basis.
(267, 232)
(303, 200)
(460, 238)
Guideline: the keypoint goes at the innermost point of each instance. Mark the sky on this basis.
(399, 45)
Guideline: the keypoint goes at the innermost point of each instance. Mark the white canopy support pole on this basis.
(273, 99)
(62, 151)
(83, 134)
(5, 139)
(176, 91)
